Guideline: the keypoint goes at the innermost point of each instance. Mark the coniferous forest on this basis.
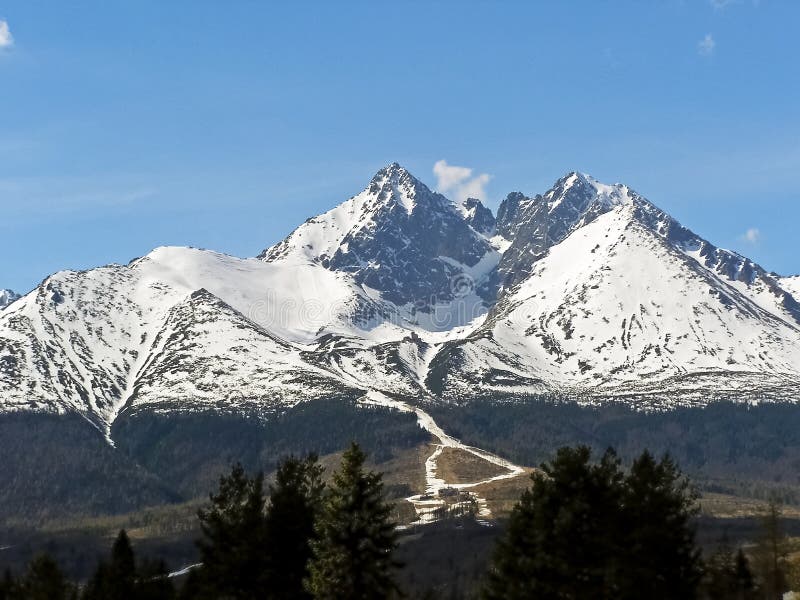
(588, 526)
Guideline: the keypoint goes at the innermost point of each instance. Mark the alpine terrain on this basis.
(7, 297)
(587, 295)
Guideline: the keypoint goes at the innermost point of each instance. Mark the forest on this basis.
(589, 525)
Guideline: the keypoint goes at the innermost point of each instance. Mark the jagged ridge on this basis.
(587, 291)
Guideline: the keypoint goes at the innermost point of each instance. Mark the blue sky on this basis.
(129, 125)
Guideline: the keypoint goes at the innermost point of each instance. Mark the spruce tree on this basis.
(662, 559)
(153, 582)
(120, 578)
(353, 552)
(587, 530)
(561, 540)
(743, 577)
(43, 580)
(115, 579)
(295, 501)
(122, 568)
(233, 549)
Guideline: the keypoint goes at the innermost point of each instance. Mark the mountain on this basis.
(586, 291)
(121, 337)
(608, 297)
(399, 239)
(397, 297)
(7, 297)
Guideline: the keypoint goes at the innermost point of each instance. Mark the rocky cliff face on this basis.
(7, 297)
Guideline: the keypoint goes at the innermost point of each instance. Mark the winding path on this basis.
(428, 503)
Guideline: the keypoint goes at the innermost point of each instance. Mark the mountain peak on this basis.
(394, 172)
(580, 187)
(7, 297)
(395, 184)
(478, 216)
(397, 237)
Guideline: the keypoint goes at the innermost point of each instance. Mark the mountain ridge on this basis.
(587, 291)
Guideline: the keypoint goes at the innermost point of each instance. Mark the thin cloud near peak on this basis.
(6, 39)
(460, 182)
(751, 236)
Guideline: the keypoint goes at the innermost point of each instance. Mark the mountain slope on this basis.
(94, 342)
(790, 284)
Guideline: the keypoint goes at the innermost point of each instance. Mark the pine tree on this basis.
(662, 559)
(233, 549)
(153, 582)
(295, 501)
(744, 584)
(771, 552)
(44, 581)
(728, 575)
(356, 538)
(561, 539)
(115, 579)
(585, 530)
(195, 588)
(122, 567)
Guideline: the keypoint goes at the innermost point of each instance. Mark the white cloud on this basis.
(459, 181)
(6, 39)
(449, 176)
(751, 236)
(706, 46)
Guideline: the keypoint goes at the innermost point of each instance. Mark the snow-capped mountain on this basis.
(631, 305)
(399, 239)
(587, 291)
(7, 297)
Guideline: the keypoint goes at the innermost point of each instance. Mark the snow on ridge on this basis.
(594, 315)
(792, 285)
(611, 195)
(616, 295)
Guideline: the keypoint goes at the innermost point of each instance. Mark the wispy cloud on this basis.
(751, 236)
(6, 39)
(35, 198)
(705, 47)
(460, 182)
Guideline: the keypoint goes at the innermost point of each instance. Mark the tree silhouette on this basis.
(588, 530)
(771, 552)
(233, 549)
(43, 580)
(119, 578)
(353, 553)
(295, 501)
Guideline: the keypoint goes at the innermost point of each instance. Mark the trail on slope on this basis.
(429, 504)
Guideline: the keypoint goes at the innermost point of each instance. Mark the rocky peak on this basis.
(535, 224)
(7, 297)
(478, 216)
(397, 237)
